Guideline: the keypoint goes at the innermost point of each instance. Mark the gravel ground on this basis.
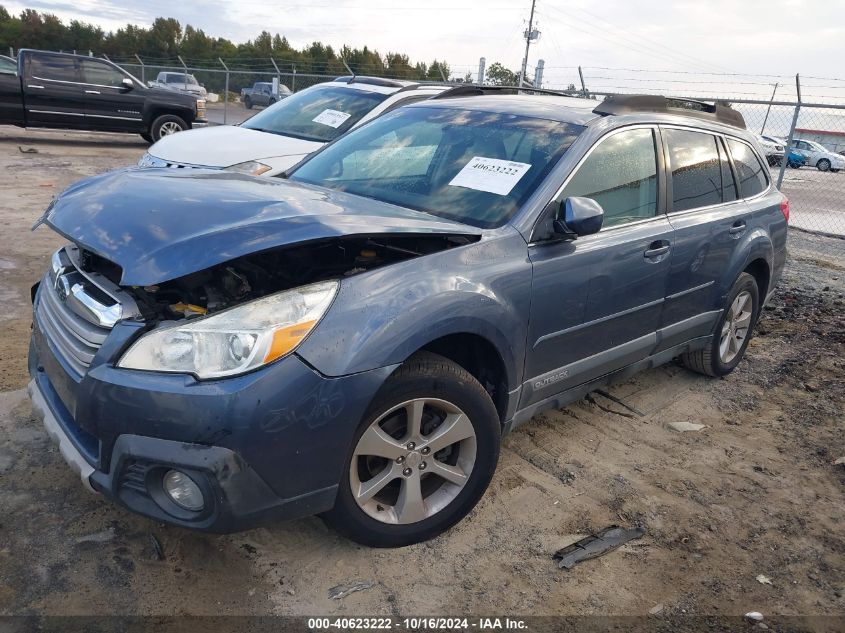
(754, 492)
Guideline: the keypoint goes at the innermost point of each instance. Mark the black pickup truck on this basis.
(59, 90)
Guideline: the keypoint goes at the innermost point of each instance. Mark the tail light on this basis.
(784, 208)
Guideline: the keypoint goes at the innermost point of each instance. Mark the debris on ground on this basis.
(686, 426)
(656, 609)
(619, 401)
(754, 616)
(589, 398)
(595, 545)
(27, 150)
(341, 591)
(840, 461)
(97, 537)
(764, 580)
(158, 551)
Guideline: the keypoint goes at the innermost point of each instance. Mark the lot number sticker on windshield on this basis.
(332, 118)
(490, 174)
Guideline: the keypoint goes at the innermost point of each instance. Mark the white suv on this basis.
(818, 156)
(280, 136)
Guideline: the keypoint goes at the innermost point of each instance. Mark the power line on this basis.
(621, 39)
(654, 42)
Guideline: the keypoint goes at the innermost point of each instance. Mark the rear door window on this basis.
(696, 169)
(54, 68)
(753, 178)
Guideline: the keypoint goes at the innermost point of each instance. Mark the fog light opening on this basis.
(183, 491)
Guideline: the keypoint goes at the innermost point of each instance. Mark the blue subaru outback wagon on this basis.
(217, 350)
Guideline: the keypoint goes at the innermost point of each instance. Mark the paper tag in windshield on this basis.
(490, 174)
(332, 118)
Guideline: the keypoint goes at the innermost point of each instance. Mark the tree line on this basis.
(166, 39)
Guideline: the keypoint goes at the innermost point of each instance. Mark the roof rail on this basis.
(373, 81)
(633, 104)
(472, 90)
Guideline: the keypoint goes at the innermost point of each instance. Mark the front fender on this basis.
(382, 317)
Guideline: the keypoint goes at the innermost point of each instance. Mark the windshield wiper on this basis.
(303, 137)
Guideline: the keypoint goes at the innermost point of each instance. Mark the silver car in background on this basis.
(179, 82)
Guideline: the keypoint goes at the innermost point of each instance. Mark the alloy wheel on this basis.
(413, 461)
(168, 128)
(736, 327)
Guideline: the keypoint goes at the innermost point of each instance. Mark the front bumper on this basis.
(265, 446)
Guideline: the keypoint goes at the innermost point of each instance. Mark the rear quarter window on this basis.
(753, 176)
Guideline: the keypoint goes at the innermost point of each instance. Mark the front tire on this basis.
(146, 136)
(823, 165)
(248, 103)
(733, 331)
(422, 458)
(165, 125)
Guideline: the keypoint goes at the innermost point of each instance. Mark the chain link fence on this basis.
(803, 141)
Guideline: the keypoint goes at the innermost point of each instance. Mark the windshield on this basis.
(477, 168)
(321, 113)
(180, 79)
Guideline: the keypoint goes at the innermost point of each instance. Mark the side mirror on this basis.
(127, 83)
(581, 216)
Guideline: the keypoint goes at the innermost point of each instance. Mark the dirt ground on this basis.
(754, 492)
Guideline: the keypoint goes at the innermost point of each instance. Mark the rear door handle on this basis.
(738, 228)
(656, 249)
(92, 92)
(34, 86)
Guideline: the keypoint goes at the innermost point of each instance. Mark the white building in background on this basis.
(834, 141)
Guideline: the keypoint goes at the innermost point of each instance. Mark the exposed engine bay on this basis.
(260, 274)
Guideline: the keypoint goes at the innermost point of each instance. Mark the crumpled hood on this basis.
(161, 224)
(226, 145)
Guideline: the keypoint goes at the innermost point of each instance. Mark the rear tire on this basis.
(423, 483)
(146, 136)
(823, 165)
(165, 125)
(732, 333)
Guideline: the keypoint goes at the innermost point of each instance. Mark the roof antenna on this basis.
(351, 72)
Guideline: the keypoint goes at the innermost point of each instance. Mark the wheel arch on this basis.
(754, 256)
(155, 111)
(478, 356)
(761, 270)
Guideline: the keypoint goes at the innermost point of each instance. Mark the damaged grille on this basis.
(76, 310)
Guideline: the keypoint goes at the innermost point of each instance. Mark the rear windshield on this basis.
(321, 113)
(477, 168)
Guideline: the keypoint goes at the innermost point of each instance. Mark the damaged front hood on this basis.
(160, 224)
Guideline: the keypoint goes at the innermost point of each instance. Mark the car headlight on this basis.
(250, 167)
(236, 340)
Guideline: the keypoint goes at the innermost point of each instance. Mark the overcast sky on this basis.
(760, 37)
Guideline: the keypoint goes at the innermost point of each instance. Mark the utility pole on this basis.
(530, 36)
